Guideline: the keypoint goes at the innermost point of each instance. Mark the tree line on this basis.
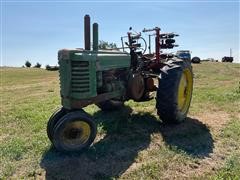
(28, 64)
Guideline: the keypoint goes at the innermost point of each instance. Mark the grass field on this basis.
(131, 143)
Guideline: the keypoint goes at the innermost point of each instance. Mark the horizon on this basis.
(35, 31)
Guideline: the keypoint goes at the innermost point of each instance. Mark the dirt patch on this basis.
(216, 120)
(3, 137)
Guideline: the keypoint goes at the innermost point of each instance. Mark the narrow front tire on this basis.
(60, 112)
(74, 132)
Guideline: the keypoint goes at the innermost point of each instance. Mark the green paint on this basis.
(108, 61)
(81, 72)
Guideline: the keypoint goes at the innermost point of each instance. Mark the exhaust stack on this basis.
(87, 37)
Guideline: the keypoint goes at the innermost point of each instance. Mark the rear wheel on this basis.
(74, 132)
(110, 105)
(174, 92)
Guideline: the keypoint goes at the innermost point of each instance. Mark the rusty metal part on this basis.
(150, 86)
(77, 104)
(87, 37)
(157, 45)
(136, 87)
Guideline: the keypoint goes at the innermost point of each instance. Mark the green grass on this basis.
(132, 143)
(231, 170)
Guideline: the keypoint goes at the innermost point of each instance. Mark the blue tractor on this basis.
(184, 55)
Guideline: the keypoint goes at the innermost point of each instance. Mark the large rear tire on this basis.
(174, 92)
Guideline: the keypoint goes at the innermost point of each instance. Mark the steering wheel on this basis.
(144, 48)
(138, 38)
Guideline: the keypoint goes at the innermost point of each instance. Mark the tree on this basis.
(47, 67)
(106, 45)
(52, 68)
(28, 64)
(38, 65)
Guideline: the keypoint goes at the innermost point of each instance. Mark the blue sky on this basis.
(35, 31)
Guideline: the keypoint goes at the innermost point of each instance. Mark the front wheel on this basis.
(174, 92)
(74, 132)
(53, 120)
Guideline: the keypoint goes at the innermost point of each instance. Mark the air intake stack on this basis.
(95, 37)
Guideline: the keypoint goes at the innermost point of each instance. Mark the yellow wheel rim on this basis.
(76, 133)
(185, 91)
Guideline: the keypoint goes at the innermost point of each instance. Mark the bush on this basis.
(28, 64)
(52, 68)
(38, 65)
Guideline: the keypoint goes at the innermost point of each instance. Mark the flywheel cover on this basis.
(136, 86)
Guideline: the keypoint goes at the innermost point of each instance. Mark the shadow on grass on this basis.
(192, 137)
(126, 134)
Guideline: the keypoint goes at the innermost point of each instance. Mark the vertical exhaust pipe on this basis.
(95, 36)
(87, 32)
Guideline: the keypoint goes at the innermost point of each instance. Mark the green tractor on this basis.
(108, 78)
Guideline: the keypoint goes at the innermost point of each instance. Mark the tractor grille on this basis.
(80, 82)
